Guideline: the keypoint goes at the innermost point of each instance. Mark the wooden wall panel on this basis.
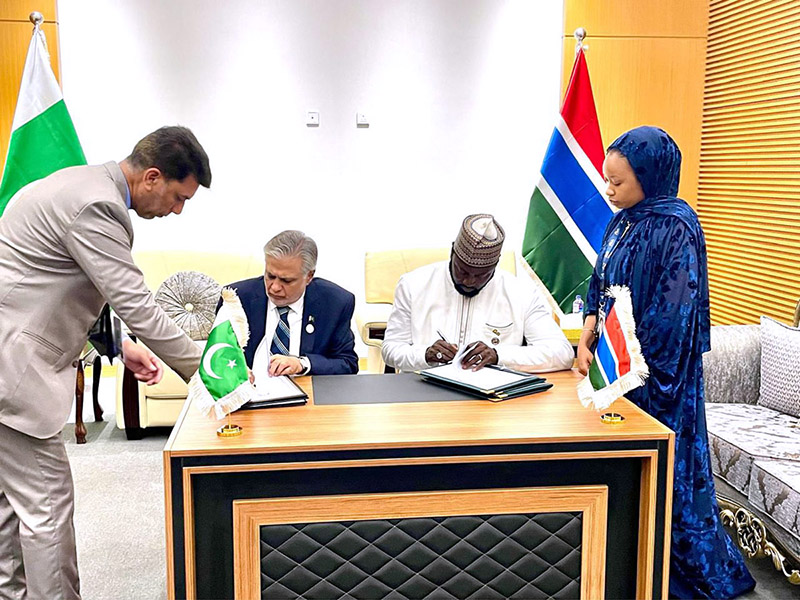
(647, 81)
(647, 61)
(18, 10)
(15, 36)
(638, 18)
(749, 188)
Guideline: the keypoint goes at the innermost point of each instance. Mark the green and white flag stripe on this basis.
(43, 139)
(221, 384)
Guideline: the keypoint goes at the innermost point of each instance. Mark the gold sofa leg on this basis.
(751, 535)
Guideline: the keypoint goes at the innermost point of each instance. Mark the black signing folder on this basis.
(277, 391)
(493, 382)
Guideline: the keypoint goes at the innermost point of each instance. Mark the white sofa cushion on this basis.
(780, 367)
(739, 434)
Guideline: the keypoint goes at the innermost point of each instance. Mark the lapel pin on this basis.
(310, 325)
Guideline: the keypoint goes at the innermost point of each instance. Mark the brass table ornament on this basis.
(612, 418)
(229, 429)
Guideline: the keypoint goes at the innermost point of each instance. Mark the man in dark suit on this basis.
(299, 324)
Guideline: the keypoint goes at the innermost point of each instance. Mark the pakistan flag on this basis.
(221, 384)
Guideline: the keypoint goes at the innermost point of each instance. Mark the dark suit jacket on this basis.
(328, 307)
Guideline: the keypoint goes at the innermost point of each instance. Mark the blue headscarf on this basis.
(656, 160)
(654, 157)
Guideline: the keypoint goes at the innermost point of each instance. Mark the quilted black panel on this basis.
(486, 556)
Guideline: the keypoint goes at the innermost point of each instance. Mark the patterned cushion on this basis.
(190, 299)
(780, 367)
(740, 433)
(775, 490)
(732, 368)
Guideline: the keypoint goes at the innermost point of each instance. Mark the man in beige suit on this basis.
(65, 250)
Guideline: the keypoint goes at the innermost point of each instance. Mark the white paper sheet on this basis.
(275, 388)
(485, 379)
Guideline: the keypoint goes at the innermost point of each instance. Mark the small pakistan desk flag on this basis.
(221, 384)
(618, 365)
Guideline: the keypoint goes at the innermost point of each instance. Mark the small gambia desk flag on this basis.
(43, 139)
(221, 384)
(618, 366)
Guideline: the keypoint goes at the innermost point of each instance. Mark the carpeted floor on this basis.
(119, 516)
(119, 513)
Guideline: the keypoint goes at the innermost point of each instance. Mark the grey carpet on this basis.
(119, 513)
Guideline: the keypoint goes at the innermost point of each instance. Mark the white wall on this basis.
(461, 96)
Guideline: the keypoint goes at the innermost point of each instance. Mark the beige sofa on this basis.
(140, 406)
(382, 271)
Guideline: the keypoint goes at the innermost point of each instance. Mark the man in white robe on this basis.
(441, 307)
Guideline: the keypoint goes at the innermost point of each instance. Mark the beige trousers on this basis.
(37, 537)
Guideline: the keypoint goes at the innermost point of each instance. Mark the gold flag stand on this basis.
(612, 418)
(230, 429)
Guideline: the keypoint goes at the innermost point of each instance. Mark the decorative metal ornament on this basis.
(612, 418)
(229, 430)
(190, 299)
(752, 537)
(495, 341)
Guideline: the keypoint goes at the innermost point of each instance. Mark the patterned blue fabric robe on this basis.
(657, 249)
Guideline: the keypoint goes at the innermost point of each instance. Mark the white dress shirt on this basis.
(295, 319)
(506, 311)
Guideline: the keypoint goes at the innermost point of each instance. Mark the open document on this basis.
(275, 391)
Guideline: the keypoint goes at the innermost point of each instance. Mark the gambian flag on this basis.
(43, 139)
(221, 384)
(618, 365)
(568, 211)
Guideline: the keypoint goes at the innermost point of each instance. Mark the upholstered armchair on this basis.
(186, 286)
(382, 271)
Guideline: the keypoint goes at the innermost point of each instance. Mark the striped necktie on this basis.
(280, 341)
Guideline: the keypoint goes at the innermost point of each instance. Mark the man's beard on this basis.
(466, 292)
(469, 293)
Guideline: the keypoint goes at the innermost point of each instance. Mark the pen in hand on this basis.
(441, 351)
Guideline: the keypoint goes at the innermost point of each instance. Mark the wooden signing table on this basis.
(532, 497)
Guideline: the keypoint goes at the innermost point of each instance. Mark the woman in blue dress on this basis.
(655, 246)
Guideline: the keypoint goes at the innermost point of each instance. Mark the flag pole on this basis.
(580, 35)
